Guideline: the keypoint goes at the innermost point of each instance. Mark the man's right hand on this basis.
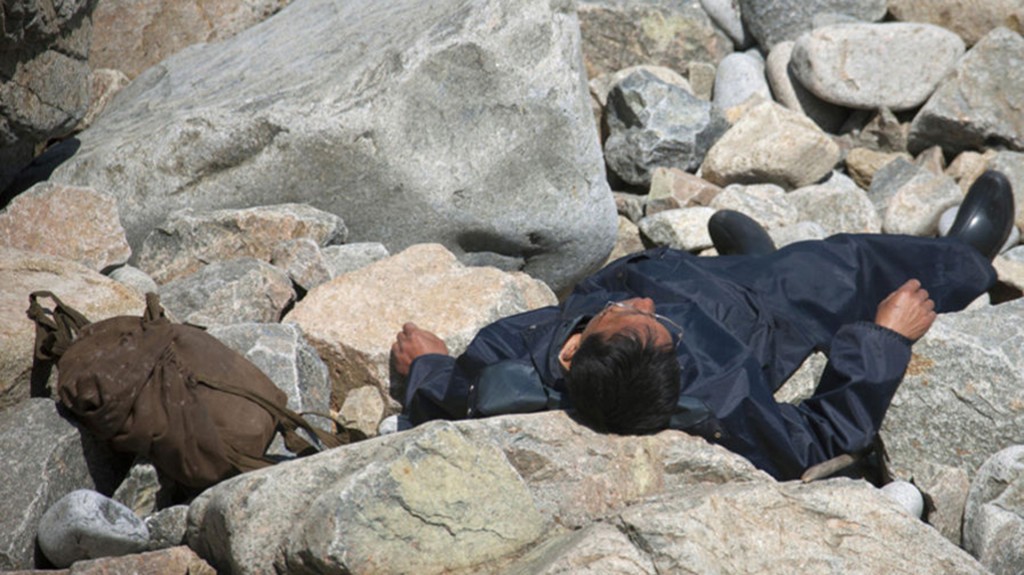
(413, 342)
(908, 311)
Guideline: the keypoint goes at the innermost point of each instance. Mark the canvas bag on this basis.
(197, 409)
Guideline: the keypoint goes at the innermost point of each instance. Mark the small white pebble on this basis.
(908, 496)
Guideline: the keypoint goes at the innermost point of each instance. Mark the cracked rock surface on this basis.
(507, 494)
(396, 116)
(44, 75)
(970, 364)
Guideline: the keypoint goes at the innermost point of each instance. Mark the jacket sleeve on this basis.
(866, 366)
(434, 391)
(439, 385)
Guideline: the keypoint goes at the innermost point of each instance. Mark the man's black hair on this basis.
(624, 384)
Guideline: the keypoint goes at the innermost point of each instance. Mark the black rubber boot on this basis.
(986, 216)
(734, 233)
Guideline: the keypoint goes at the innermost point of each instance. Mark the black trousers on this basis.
(816, 287)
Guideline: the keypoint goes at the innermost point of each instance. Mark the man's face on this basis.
(633, 317)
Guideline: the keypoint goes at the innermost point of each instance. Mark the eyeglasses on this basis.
(674, 329)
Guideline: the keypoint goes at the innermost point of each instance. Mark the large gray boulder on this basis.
(577, 476)
(961, 399)
(424, 502)
(443, 497)
(464, 123)
(979, 105)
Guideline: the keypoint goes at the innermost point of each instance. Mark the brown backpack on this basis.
(171, 392)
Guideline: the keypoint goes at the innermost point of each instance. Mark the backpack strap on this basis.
(55, 329)
(154, 313)
(290, 422)
(287, 420)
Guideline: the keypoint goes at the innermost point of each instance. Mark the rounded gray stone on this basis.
(739, 77)
(968, 367)
(906, 495)
(871, 66)
(85, 525)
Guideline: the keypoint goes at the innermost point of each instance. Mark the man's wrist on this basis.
(890, 332)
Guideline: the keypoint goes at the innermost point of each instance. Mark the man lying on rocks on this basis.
(665, 339)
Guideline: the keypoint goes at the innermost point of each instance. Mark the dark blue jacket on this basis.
(749, 323)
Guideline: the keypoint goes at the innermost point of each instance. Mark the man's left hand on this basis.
(413, 342)
(908, 311)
